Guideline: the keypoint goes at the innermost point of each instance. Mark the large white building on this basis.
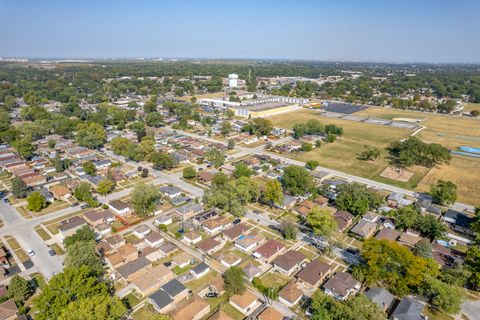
(233, 80)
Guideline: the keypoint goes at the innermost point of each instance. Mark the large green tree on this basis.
(91, 135)
(356, 198)
(444, 192)
(69, 287)
(19, 289)
(321, 221)
(84, 233)
(144, 198)
(36, 202)
(273, 192)
(19, 188)
(234, 280)
(393, 265)
(82, 253)
(296, 180)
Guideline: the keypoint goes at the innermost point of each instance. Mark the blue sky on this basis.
(354, 30)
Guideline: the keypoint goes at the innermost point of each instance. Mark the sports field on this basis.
(342, 154)
(450, 131)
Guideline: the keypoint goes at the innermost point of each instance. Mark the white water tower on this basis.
(233, 80)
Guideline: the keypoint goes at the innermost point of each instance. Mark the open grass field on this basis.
(472, 106)
(463, 171)
(452, 132)
(342, 154)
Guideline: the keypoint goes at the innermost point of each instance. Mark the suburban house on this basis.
(269, 250)
(290, 295)
(341, 286)
(289, 262)
(182, 259)
(387, 234)
(410, 238)
(154, 239)
(381, 297)
(230, 259)
(192, 237)
(119, 207)
(69, 226)
(251, 271)
(215, 225)
(458, 221)
(205, 177)
(171, 191)
(166, 220)
(96, 218)
(364, 229)
(313, 274)
(141, 231)
(210, 245)
(250, 241)
(408, 309)
(200, 270)
(60, 192)
(234, 232)
(193, 308)
(134, 268)
(115, 241)
(8, 310)
(164, 298)
(343, 219)
(270, 313)
(152, 279)
(245, 302)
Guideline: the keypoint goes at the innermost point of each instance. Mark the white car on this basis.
(30, 252)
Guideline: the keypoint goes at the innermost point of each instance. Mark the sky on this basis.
(436, 31)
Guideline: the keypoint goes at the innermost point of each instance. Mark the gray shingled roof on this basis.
(160, 298)
(173, 288)
(408, 309)
(381, 297)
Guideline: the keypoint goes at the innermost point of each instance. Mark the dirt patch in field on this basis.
(396, 174)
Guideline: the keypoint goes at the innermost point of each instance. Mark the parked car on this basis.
(237, 221)
(211, 295)
(30, 252)
(75, 204)
(52, 252)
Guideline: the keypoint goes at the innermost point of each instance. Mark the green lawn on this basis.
(57, 249)
(274, 279)
(133, 299)
(232, 312)
(146, 312)
(43, 234)
(178, 271)
(196, 284)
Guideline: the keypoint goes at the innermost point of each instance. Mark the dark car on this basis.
(211, 295)
(52, 252)
(84, 206)
(6, 200)
(167, 264)
(75, 204)
(237, 221)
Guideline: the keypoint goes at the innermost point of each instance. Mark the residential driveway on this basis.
(471, 309)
